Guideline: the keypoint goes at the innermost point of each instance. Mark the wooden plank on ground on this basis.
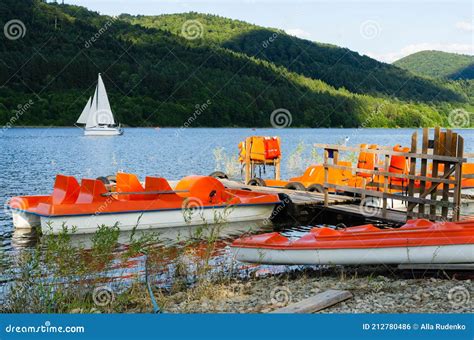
(316, 303)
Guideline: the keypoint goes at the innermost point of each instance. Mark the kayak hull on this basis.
(418, 241)
(127, 221)
(397, 255)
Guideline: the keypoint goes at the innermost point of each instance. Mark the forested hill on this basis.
(339, 67)
(437, 64)
(158, 75)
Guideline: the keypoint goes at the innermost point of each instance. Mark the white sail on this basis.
(91, 118)
(100, 119)
(104, 112)
(85, 113)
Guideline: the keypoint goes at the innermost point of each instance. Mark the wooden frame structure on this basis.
(436, 195)
(250, 164)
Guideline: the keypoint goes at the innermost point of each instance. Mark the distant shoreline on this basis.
(230, 127)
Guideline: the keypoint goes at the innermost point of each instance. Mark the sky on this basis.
(384, 30)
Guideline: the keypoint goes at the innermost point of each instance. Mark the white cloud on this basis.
(298, 32)
(413, 48)
(465, 26)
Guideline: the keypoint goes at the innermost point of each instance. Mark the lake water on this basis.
(31, 157)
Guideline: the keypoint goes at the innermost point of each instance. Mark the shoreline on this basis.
(234, 127)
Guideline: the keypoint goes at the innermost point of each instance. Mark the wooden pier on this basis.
(431, 188)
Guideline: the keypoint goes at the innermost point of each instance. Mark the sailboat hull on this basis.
(103, 131)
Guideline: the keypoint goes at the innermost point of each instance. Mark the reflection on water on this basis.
(184, 245)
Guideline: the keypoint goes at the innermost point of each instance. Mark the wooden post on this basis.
(335, 157)
(424, 165)
(247, 160)
(385, 184)
(326, 178)
(447, 152)
(278, 163)
(364, 186)
(411, 183)
(458, 179)
(434, 171)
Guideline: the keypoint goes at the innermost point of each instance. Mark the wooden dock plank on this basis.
(392, 216)
(315, 303)
(296, 196)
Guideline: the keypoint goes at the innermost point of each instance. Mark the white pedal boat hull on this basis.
(161, 219)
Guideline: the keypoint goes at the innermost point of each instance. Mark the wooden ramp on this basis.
(296, 196)
(387, 215)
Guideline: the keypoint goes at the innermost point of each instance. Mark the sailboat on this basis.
(97, 116)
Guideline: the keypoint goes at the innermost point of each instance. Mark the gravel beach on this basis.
(375, 290)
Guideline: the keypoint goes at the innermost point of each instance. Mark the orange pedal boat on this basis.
(418, 241)
(196, 200)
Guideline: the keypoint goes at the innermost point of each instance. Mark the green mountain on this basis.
(437, 64)
(159, 72)
(339, 67)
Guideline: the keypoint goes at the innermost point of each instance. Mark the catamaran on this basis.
(97, 116)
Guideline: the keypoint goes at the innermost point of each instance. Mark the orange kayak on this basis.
(418, 241)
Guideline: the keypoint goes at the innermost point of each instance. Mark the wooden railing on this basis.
(444, 153)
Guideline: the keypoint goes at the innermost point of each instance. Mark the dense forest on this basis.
(437, 64)
(159, 72)
(339, 67)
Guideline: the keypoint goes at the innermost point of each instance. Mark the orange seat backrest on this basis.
(65, 191)
(399, 164)
(157, 184)
(91, 191)
(129, 183)
(366, 160)
(468, 168)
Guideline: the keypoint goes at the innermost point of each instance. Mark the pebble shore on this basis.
(375, 290)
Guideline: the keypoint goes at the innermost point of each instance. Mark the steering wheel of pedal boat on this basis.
(109, 181)
(219, 174)
(340, 226)
(257, 182)
(103, 179)
(295, 186)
